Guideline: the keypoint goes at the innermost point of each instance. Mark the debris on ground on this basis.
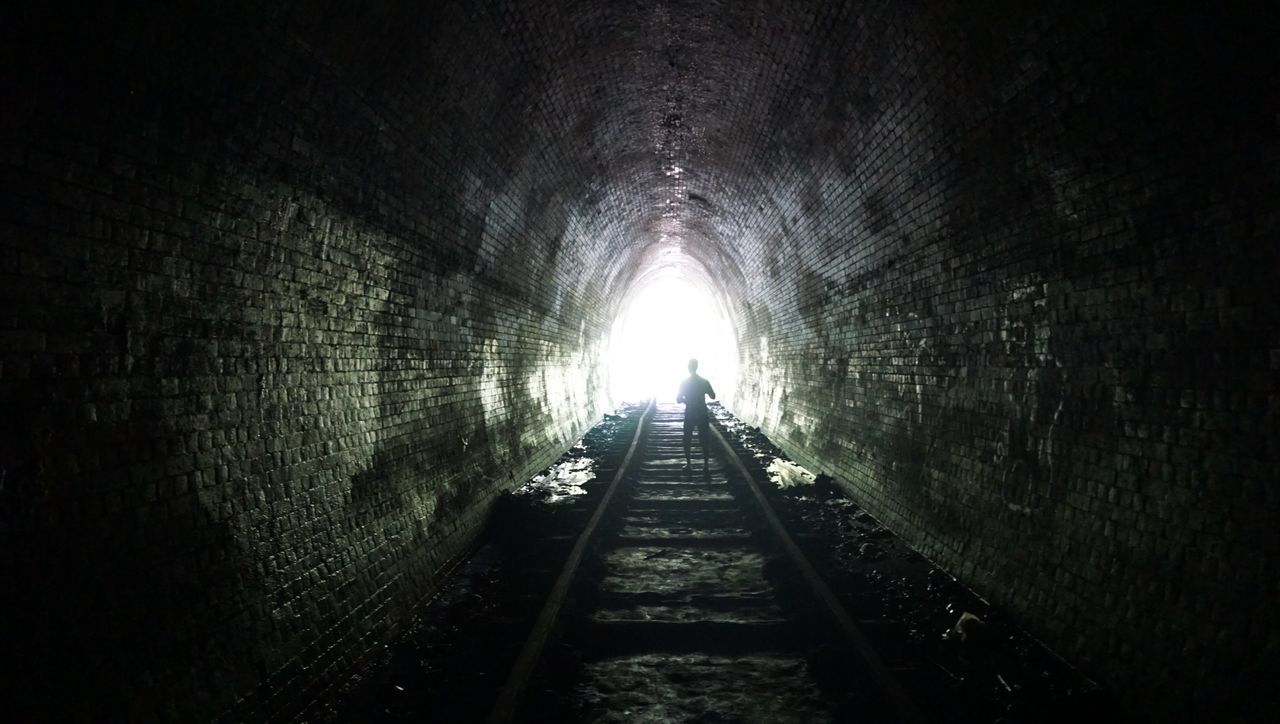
(826, 489)
(969, 629)
(562, 480)
(971, 659)
(1001, 672)
(871, 551)
(786, 474)
(565, 480)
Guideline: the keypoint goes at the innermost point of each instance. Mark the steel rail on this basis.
(905, 709)
(504, 708)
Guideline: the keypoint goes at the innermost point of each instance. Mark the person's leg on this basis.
(688, 433)
(704, 432)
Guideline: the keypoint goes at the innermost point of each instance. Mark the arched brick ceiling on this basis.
(638, 129)
(318, 280)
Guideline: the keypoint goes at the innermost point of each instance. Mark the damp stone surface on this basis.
(293, 293)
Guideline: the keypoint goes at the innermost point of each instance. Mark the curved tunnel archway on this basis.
(673, 312)
(294, 291)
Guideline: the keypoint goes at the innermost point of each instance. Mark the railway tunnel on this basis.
(294, 291)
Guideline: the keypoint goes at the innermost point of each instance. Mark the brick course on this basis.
(292, 290)
(1021, 303)
(270, 346)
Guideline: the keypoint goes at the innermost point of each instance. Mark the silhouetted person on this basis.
(693, 393)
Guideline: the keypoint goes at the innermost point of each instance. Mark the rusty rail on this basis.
(504, 708)
(905, 709)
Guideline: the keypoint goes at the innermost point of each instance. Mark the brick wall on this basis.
(278, 324)
(1016, 290)
(292, 289)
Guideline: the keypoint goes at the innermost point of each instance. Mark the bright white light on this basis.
(667, 322)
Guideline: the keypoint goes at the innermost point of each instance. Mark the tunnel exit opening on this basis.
(668, 319)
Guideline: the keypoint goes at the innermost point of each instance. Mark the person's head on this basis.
(693, 366)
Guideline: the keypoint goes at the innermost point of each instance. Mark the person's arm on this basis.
(680, 394)
(710, 391)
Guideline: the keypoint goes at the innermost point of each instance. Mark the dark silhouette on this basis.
(693, 393)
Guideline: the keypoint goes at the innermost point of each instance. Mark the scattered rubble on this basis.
(561, 481)
(971, 651)
(786, 474)
(567, 477)
(871, 551)
(970, 659)
(969, 629)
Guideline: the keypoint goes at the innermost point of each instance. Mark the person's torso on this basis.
(694, 390)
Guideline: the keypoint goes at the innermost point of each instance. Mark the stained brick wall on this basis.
(278, 323)
(1017, 290)
(292, 289)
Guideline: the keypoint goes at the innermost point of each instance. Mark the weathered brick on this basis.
(1109, 317)
(997, 269)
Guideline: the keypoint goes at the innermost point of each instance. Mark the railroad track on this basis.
(679, 601)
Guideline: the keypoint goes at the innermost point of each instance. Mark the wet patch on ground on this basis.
(750, 608)
(672, 524)
(688, 493)
(699, 688)
(666, 570)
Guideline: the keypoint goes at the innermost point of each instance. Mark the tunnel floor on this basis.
(685, 613)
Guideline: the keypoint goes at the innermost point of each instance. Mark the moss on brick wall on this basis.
(271, 344)
(292, 289)
(1020, 300)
